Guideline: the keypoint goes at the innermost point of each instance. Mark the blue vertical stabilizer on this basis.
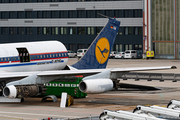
(98, 53)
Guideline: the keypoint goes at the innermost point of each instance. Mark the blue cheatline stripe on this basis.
(30, 63)
(43, 56)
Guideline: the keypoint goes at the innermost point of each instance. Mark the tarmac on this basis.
(94, 104)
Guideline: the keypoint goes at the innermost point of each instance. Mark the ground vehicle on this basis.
(71, 53)
(139, 54)
(119, 55)
(112, 54)
(81, 52)
(68, 84)
(130, 54)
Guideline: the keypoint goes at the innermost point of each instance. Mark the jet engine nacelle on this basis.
(96, 85)
(21, 91)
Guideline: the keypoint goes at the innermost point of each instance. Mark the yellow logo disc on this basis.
(102, 50)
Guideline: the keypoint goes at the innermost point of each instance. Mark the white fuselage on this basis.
(33, 56)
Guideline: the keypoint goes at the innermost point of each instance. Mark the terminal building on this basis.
(161, 28)
(147, 25)
(73, 22)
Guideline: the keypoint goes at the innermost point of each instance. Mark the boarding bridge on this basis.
(151, 76)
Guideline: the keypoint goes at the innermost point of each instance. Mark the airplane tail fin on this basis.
(98, 53)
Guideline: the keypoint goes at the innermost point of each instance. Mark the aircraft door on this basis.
(23, 54)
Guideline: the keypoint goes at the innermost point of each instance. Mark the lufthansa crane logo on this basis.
(102, 50)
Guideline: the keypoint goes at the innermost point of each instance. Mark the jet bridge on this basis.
(151, 76)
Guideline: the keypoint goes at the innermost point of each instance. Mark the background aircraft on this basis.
(25, 67)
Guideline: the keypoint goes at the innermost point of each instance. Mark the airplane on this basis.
(25, 67)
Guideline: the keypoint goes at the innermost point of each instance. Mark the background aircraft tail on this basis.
(98, 53)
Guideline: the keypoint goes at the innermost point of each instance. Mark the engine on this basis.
(21, 91)
(96, 85)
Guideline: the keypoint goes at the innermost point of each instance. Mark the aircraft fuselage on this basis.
(33, 56)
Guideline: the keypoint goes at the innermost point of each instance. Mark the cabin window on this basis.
(23, 54)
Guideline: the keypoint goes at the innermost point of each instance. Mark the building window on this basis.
(120, 31)
(120, 48)
(20, 14)
(54, 14)
(139, 30)
(126, 47)
(118, 13)
(90, 30)
(63, 14)
(28, 1)
(72, 30)
(45, 14)
(98, 15)
(109, 13)
(71, 14)
(12, 1)
(45, 0)
(81, 14)
(54, 0)
(128, 13)
(130, 31)
(140, 47)
(63, 30)
(12, 30)
(130, 47)
(4, 30)
(20, 1)
(137, 13)
(90, 14)
(126, 31)
(4, 1)
(81, 30)
(28, 14)
(12, 14)
(4, 15)
(136, 47)
(81, 46)
(45, 30)
(54, 30)
(98, 29)
(39, 14)
(20, 31)
(29, 31)
(136, 31)
(39, 30)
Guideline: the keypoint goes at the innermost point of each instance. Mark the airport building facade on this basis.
(161, 28)
(73, 22)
